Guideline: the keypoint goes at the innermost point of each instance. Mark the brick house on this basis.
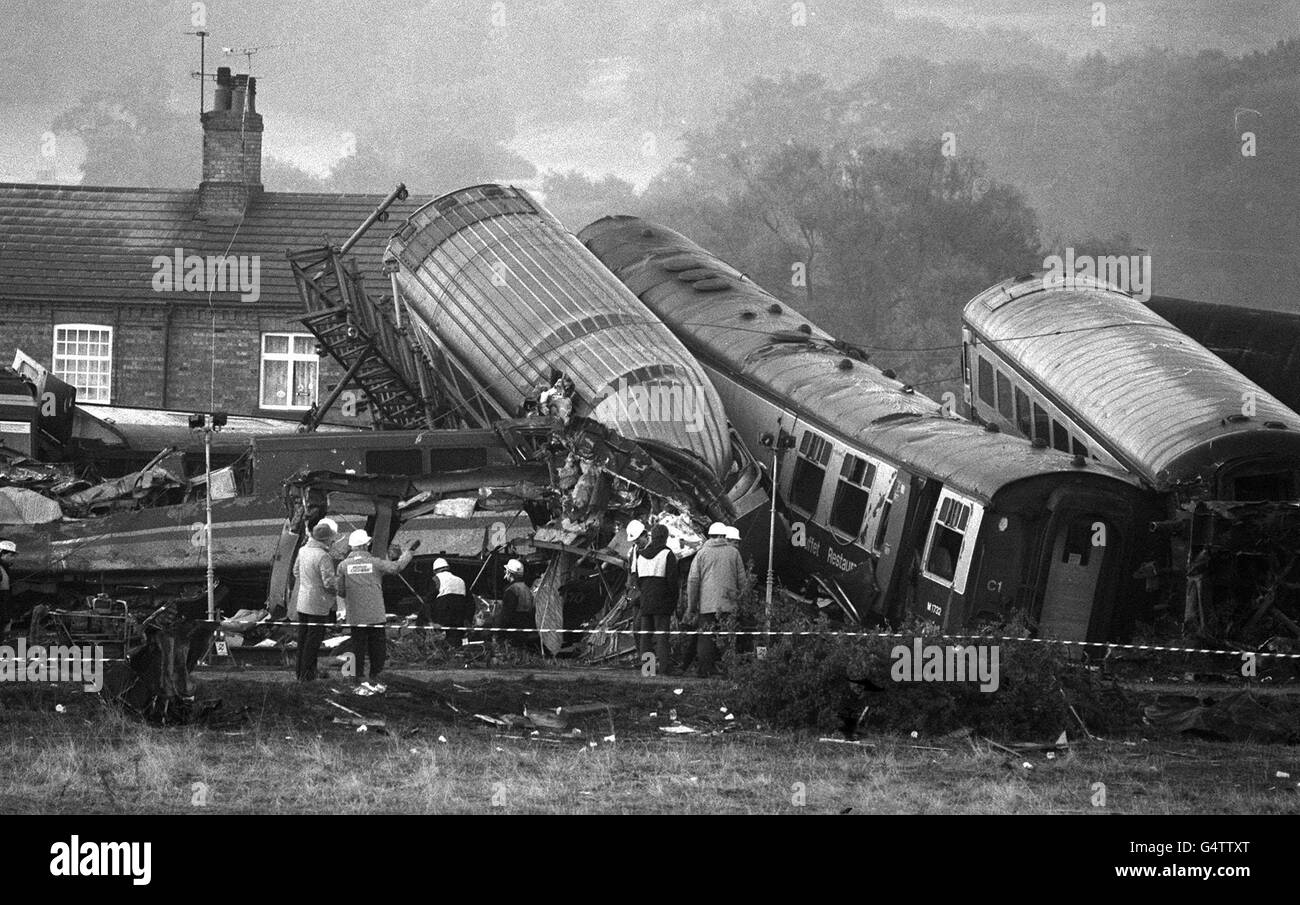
(131, 293)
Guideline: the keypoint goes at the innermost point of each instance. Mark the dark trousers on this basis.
(653, 636)
(369, 640)
(454, 612)
(525, 640)
(689, 646)
(311, 632)
(707, 652)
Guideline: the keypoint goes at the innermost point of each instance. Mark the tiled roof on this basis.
(97, 244)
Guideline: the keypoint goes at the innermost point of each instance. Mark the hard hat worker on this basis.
(314, 574)
(713, 589)
(517, 606)
(451, 606)
(655, 568)
(359, 582)
(733, 535)
(8, 553)
(637, 538)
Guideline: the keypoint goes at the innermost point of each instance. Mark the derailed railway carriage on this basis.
(1089, 369)
(913, 510)
(1086, 366)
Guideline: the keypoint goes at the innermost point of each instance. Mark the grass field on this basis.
(274, 747)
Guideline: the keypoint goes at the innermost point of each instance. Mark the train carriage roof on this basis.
(1169, 407)
(733, 324)
(1263, 345)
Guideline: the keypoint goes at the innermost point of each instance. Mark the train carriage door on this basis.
(1073, 575)
(946, 560)
(903, 527)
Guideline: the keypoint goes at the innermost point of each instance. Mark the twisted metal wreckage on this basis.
(529, 403)
(499, 386)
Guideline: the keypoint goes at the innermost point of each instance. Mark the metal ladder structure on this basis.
(410, 381)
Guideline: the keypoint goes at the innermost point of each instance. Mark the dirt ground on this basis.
(576, 741)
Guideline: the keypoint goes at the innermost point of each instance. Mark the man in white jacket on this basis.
(313, 571)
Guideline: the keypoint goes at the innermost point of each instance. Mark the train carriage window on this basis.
(809, 472)
(455, 458)
(1080, 448)
(1004, 397)
(1042, 425)
(986, 380)
(1060, 437)
(1022, 413)
(394, 461)
(1271, 486)
(851, 495)
(946, 537)
(1077, 548)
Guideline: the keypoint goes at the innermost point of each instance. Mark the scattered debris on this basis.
(1241, 716)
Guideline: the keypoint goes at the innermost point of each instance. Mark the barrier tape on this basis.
(1108, 645)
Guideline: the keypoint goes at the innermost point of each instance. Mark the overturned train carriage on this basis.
(492, 277)
(915, 512)
(1090, 369)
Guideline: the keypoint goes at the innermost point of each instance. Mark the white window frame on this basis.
(290, 357)
(824, 445)
(56, 359)
(841, 456)
(882, 492)
(968, 538)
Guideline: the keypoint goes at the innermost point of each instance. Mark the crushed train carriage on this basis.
(914, 510)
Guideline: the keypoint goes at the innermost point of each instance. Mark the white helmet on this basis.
(733, 533)
(440, 563)
(717, 529)
(635, 529)
(329, 523)
(8, 546)
(514, 567)
(359, 538)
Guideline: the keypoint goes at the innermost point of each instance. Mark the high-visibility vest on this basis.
(449, 584)
(654, 567)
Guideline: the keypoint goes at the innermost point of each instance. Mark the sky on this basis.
(598, 87)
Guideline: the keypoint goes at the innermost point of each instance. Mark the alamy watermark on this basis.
(946, 663)
(1130, 273)
(674, 403)
(82, 663)
(214, 273)
(75, 858)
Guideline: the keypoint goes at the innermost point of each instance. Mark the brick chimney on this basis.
(232, 149)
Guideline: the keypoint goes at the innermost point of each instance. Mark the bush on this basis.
(823, 682)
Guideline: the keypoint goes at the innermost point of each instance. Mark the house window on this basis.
(809, 471)
(289, 369)
(83, 356)
(850, 506)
